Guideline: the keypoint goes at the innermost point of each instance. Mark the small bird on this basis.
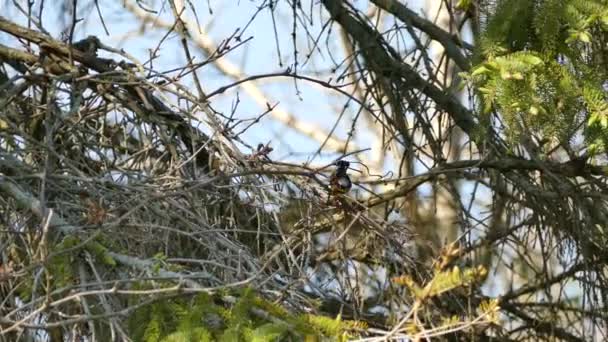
(339, 182)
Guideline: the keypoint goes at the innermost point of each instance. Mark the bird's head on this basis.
(342, 164)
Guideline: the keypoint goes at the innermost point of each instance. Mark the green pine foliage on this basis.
(61, 263)
(269, 332)
(173, 319)
(100, 252)
(543, 67)
(329, 326)
(447, 282)
(207, 317)
(197, 334)
(443, 281)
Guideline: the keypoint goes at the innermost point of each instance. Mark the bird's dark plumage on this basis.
(339, 182)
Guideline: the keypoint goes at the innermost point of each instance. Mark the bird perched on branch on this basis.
(339, 182)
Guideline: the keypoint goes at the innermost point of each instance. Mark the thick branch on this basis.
(378, 53)
(451, 43)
